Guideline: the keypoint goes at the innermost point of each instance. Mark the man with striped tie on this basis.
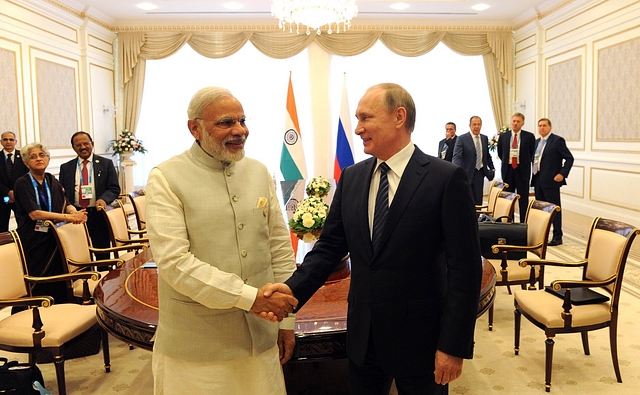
(11, 168)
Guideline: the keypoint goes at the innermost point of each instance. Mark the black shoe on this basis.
(555, 242)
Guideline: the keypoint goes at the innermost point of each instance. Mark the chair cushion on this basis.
(547, 310)
(62, 322)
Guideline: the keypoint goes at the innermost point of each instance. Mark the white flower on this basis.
(307, 220)
(308, 237)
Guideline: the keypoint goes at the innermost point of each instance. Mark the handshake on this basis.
(274, 302)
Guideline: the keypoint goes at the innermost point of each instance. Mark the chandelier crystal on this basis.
(314, 14)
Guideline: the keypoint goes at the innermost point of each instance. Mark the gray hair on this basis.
(25, 151)
(205, 97)
(396, 96)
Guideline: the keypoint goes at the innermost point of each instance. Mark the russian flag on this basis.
(292, 163)
(344, 144)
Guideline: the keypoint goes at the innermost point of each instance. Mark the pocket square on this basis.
(262, 202)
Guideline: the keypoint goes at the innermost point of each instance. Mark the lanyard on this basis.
(90, 171)
(38, 193)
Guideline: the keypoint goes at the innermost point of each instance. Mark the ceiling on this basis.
(197, 12)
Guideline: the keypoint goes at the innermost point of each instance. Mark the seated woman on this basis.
(40, 197)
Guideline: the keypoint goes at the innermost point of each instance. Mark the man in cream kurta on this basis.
(218, 234)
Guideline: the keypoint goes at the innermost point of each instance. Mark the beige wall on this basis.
(578, 66)
(56, 75)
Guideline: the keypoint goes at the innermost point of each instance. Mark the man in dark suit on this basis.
(408, 222)
(515, 150)
(90, 181)
(552, 163)
(465, 155)
(11, 168)
(445, 146)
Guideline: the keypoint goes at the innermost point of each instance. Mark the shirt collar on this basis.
(398, 162)
(90, 159)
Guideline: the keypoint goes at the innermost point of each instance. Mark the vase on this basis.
(125, 156)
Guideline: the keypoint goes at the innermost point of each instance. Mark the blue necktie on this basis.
(382, 206)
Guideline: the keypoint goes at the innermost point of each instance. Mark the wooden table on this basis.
(127, 306)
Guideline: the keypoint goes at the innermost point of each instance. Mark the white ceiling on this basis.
(181, 12)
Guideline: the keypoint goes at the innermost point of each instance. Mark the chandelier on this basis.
(314, 14)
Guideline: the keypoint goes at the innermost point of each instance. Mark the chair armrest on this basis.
(99, 262)
(137, 232)
(503, 248)
(138, 246)
(132, 241)
(95, 276)
(559, 284)
(550, 262)
(35, 301)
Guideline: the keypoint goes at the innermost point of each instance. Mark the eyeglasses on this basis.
(41, 155)
(227, 123)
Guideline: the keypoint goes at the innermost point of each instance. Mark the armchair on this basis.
(606, 255)
(494, 191)
(44, 326)
(75, 249)
(139, 200)
(539, 218)
(119, 231)
(505, 205)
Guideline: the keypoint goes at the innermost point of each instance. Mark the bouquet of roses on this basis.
(126, 143)
(318, 186)
(493, 142)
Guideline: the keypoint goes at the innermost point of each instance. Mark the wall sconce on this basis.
(109, 109)
(520, 106)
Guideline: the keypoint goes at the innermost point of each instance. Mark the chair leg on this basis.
(491, 317)
(516, 326)
(58, 363)
(105, 350)
(548, 363)
(613, 341)
(509, 289)
(585, 342)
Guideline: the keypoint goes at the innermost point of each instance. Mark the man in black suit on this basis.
(97, 189)
(465, 155)
(515, 150)
(445, 146)
(11, 168)
(415, 259)
(552, 163)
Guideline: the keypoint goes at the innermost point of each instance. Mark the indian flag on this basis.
(292, 163)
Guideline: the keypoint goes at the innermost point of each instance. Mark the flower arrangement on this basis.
(318, 186)
(126, 143)
(308, 218)
(493, 142)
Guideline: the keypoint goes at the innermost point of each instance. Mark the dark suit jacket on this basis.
(527, 150)
(464, 155)
(105, 179)
(418, 293)
(19, 169)
(556, 159)
(450, 143)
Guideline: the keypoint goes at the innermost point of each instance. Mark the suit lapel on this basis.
(412, 177)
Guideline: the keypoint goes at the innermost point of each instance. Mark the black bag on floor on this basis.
(496, 232)
(18, 378)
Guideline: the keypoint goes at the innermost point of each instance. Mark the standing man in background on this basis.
(12, 167)
(515, 150)
(218, 236)
(445, 146)
(551, 166)
(471, 152)
(90, 182)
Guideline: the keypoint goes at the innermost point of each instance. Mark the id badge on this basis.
(536, 159)
(443, 153)
(86, 191)
(40, 227)
(514, 152)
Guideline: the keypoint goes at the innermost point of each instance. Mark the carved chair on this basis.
(494, 191)
(606, 255)
(138, 200)
(119, 231)
(44, 326)
(539, 218)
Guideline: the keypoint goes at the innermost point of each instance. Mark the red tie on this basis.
(514, 159)
(84, 203)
